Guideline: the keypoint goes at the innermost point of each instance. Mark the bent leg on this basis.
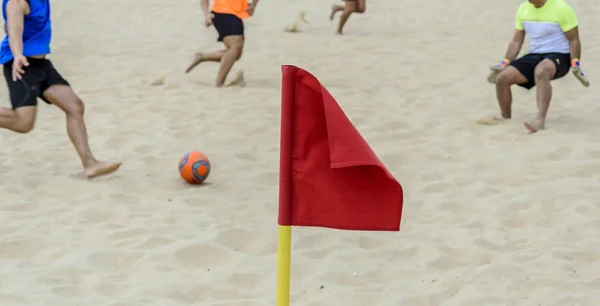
(20, 120)
(23, 98)
(352, 6)
(508, 77)
(361, 6)
(335, 9)
(348, 10)
(544, 73)
(64, 97)
(235, 45)
(205, 57)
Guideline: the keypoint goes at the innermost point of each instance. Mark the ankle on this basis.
(88, 161)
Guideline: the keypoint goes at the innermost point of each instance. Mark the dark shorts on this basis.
(38, 76)
(228, 25)
(526, 65)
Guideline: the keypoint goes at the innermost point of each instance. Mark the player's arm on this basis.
(254, 3)
(15, 16)
(515, 45)
(573, 36)
(204, 5)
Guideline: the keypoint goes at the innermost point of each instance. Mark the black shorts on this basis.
(526, 65)
(38, 76)
(227, 25)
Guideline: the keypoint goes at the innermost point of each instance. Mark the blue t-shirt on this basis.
(37, 31)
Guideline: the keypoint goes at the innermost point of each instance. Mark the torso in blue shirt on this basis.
(37, 31)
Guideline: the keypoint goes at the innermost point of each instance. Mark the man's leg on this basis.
(544, 73)
(23, 97)
(335, 9)
(352, 6)
(520, 72)
(64, 97)
(205, 57)
(235, 45)
(20, 120)
(508, 77)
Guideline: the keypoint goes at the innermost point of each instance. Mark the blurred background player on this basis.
(351, 6)
(226, 16)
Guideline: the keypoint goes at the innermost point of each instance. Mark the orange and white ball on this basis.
(194, 167)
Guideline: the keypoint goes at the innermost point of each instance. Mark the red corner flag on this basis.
(329, 176)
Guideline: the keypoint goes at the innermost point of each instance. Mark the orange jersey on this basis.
(233, 7)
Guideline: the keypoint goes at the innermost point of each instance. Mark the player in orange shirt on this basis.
(352, 6)
(226, 16)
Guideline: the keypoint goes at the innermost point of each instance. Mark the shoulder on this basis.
(564, 10)
(523, 7)
(564, 6)
(18, 6)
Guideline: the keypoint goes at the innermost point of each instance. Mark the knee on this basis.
(360, 9)
(505, 79)
(24, 126)
(543, 73)
(238, 48)
(76, 108)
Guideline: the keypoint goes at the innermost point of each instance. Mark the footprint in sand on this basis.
(206, 255)
(242, 240)
(20, 247)
(494, 120)
(295, 27)
(118, 260)
(238, 80)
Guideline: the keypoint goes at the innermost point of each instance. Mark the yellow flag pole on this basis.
(284, 245)
(284, 218)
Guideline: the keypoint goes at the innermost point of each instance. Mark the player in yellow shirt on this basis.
(553, 32)
(226, 16)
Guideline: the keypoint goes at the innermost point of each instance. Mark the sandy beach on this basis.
(492, 215)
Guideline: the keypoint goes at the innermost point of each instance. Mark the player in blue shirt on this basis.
(29, 75)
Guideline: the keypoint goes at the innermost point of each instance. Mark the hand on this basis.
(495, 71)
(17, 67)
(208, 20)
(578, 73)
(499, 67)
(250, 10)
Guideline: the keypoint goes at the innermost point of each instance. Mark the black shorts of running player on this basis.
(526, 65)
(39, 76)
(227, 25)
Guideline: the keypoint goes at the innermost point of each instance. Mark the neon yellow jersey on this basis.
(546, 26)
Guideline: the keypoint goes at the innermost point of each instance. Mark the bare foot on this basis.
(302, 17)
(100, 168)
(493, 120)
(238, 80)
(334, 10)
(534, 125)
(198, 58)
